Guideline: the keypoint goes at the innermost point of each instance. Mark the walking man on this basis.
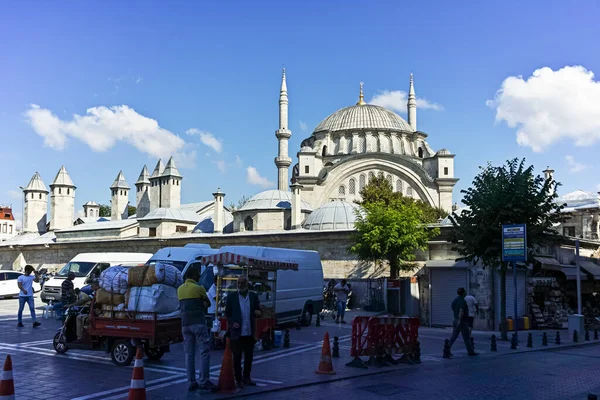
(341, 291)
(193, 303)
(461, 321)
(473, 310)
(241, 311)
(25, 283)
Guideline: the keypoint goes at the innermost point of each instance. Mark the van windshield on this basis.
(80, 269)
(180, 265)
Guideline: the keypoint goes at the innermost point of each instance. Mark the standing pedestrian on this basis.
(473, 310)
(241, 311)
(193, 303)
(25, 283)
(341, 293)
(461, 321)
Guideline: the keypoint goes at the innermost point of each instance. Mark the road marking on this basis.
(91, 396)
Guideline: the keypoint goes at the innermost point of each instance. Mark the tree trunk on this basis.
(394, 266)
(503, 325)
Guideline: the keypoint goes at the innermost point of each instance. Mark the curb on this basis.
(566, 347)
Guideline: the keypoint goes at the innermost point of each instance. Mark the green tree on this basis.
(389, 227)
(131, 210)
(508, 194)
(104, 210)
(240, 203)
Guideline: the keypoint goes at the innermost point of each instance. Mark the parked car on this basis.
(9, 287)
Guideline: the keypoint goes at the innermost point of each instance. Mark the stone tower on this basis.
(119, 198)
(155, 188)
(91, 209)
(412, 105)
(62, 201)
(218, 216)
(283, 134)
(142, 195)
(36, 205)
(170, 193)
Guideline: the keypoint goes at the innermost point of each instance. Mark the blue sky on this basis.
(215, 67)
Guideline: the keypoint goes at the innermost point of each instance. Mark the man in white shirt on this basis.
(341, 291)
(473, 310)
(25, 283)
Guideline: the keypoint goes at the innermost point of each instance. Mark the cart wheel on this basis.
(122, 352)
(267, 342)
(154, 353)
(60, 343)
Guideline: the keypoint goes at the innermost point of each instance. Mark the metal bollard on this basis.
(513, 342)
(299, 324)
(575, 336)
(587, 335)
(545, 339)
(286, 339)
(318, 319)
(529, 340)
(494, 346)
(557, 337)
(595, 334)
(447, 353)
(336, 347)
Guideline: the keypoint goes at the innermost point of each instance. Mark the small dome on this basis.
(443, 152)
(272, 199)
(306, 149)
(336, 214)
(364, 116)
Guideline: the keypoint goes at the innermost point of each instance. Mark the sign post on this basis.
(514, 248)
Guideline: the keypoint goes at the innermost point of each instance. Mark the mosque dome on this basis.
(272, 200)
(335, 214)
(443, 152)
(364, 116)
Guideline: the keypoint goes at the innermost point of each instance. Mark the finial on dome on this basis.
(361, 99)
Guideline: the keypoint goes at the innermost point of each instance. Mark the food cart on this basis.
(262, 276)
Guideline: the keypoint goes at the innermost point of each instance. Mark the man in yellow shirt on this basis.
(193, 303)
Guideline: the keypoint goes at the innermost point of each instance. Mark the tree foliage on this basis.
(240, 203)
(508, 194)
(389, 227)
(104, 210)
(131, 210)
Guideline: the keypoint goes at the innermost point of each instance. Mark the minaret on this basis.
(142, 196)
(412, 105)
(549, 175)
(119, 198)
(283, 134)
(35, 195)
(218, 216)
(296, 206)
(170, 194)
(62, 201)
(156, 185)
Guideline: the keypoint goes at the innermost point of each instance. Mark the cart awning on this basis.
(253, 262)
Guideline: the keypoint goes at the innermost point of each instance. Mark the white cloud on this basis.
(238, 161)
(254, 178)
(207, 138)
(574, 166)
(396, 100)
(303, 125)
(18, 215)
(139, 79)
(15, 194)
(102, 127)
(550, 106)
(221, 166)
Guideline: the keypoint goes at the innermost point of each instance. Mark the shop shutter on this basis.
(510, 295)
(444, 283)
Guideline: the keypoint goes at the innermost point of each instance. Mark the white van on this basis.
(88, 265)
(299, 293)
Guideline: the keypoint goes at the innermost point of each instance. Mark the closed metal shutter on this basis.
(510, 295)
(444, 283)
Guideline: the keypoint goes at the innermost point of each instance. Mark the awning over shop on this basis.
(447, 264)
(227, 258)
(591, 268)
(552, 264)
(549, 263)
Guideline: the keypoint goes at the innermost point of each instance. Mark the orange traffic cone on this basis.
(325, 365)
(7, 386)
(137, 390)
(226, 379)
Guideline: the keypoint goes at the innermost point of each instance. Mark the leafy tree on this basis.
(104, 210)
(508, 194)
(239, 204)
(131, 210)
(389, 227)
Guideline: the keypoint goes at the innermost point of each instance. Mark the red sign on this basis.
(393, 284)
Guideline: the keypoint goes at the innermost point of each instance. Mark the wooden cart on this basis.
(262, 275)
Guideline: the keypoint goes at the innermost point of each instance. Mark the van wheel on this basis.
(306, 317)
(122, 352)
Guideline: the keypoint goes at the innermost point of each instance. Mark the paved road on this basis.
(40, 373)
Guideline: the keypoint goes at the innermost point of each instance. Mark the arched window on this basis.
(362, 144)
(371, 176)
(324, 151)
(361, 182)
(399, 186)
(342, 190)
(409, 192)
(420, 152)
(380, 175)
(389, 179)
(248, 223)
(352, 186)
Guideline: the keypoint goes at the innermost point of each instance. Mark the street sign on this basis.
(514, 242)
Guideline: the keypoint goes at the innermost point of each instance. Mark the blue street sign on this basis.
(514, 242)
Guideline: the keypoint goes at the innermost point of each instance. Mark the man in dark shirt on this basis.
(67, 295)
(461, 321)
